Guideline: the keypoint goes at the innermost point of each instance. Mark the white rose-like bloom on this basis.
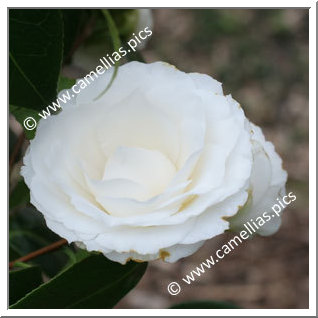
(153, 168)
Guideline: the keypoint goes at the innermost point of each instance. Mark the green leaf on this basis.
(205, 304)
(25, 242)
(28, 232)
(22, 281)
(65, 83)
(20, 195)
(93, 282)
(35, 51)
(75, 256)
(20, 114)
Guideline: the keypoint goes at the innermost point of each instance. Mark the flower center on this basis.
(149, 170)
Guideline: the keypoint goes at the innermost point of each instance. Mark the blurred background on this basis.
(261, 57)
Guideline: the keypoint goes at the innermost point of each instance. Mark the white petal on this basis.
(267, 183)
(206, 83)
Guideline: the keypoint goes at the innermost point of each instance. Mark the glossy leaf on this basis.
(22, 281)
(35, 51)
(93, 282)
(28, 233)
(21, 113)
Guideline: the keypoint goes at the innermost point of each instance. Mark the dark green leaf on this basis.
(93, 282)
(75, 256)
(20, 114)
(204, 304)
(35, 50)
(25, 242)
(65, 83)
(22, 281)
(28, 232)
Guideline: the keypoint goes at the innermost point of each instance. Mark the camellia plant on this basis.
(146, 162)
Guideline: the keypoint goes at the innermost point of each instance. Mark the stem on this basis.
(39, 252)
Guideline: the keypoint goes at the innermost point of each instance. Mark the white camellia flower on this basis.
(153, 168)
